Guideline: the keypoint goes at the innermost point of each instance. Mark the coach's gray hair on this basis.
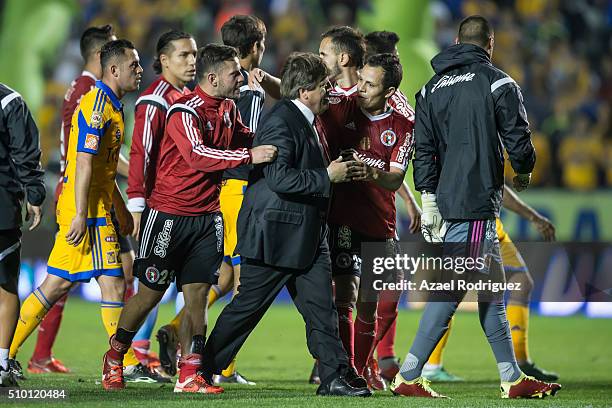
(302, 70)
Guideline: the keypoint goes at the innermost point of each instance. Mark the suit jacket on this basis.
(285, 205)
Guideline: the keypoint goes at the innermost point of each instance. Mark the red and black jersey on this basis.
(79, 87)
(364, 206)
(149, 124)
(204, 135)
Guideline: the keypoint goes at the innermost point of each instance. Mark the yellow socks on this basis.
(176, 322)
(33, 311)
(110, 317)
(518, 319)
(230, 370)
(435, 359)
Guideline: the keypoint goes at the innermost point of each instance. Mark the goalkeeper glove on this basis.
(521, 181)
(433, 226)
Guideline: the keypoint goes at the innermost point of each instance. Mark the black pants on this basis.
(311, 291)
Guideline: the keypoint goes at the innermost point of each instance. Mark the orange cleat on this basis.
(371, 373)
(52, 365)
(196, 384)
(112, 374)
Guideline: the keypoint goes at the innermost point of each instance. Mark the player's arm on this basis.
(149, 124)
(183, 129)
(389, 180)
(414, 212)
(269, 83)
(425, 164)
(84, 169)
(24, 147)
(123, 165)
(513, 202)
(513, 128)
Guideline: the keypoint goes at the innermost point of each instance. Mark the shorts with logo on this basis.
(96, 255)
(473, 239)
(10, 257)
(186, 248)
(345, 246)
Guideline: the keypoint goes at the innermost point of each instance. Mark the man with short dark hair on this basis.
(467, 114)
(381, 42)
(181, 233)
(282, 230)
(86, 243)
(21, 178)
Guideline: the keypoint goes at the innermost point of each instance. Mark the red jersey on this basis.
(79, 87)
(365, 206)
(204, 135)
(149, 124)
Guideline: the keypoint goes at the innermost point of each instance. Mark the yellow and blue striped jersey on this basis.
(97, 128)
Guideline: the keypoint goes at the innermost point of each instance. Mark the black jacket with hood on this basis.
(466, 115)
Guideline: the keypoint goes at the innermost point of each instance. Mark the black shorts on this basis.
(124, 243)
(10, 257)
(188, 249)
(345, 246)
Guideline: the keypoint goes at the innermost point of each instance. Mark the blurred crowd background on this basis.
(558, 51)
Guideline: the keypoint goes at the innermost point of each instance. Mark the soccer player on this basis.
(21, 177)
(175, 62)
(86, 244)
(518, 301)
(181, 232)
(466, 114)
(247, 34)
(386, 154)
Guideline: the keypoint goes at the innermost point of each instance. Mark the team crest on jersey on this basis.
(91, 141)
(388, 138)
(96, 119)
(334, 100)
(152, 274)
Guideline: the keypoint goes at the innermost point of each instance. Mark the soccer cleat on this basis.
(15, 367)
(314, 374)
(389, 367)
(142, 374)
(528, 387)
(235, 378)
(168, 345)
(52, 365)
(439, 374)
(419, 387)
(196, 383)
(531, 370)
(371, 373)
(354, 379)
(112, 374)
(7, 378)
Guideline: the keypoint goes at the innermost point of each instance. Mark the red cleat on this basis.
(528, 387)
(112, 374)
(196, 384)
(372, 375)
(52, 365)
(419, 387)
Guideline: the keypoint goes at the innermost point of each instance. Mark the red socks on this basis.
(189, 365)
(347, 331)
(365, 334)
(387, 319)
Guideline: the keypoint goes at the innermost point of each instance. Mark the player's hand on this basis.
(256, 77)
(521, 181)
(545, 227)
(433, 226)
(362, 171)
(414, 212)
(33, 212)
(136, 216)
(78, 226)
(263, 154)
(340, 172)
(124, 218)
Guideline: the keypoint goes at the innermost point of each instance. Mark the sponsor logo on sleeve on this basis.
(91, 141)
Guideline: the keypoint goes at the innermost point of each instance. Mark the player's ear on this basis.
(344, 59)
(212, 79)
(163, 59)
(114, 69)
(390, 91)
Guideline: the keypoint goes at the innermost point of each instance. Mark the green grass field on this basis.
(276, 357)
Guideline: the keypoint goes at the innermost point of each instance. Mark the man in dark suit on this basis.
(282, 231)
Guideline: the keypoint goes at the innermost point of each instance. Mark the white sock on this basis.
(4, 354)
(431, 367)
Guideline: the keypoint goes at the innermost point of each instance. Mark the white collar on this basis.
(89, 74)
(346, 92)
(305, 110)
(380, 116)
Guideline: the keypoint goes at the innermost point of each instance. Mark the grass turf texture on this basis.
(275, 356)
